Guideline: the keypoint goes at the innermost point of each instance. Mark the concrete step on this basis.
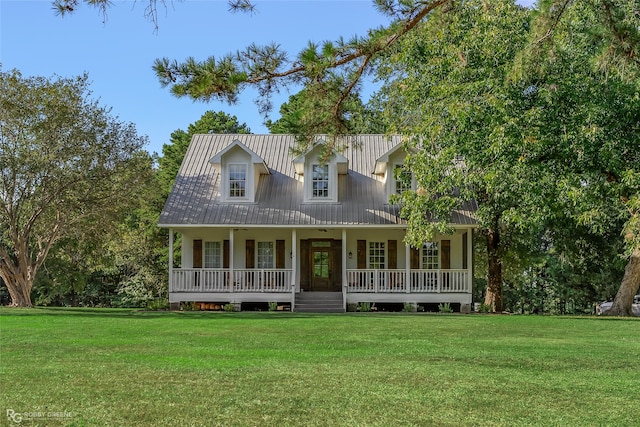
(319, 302)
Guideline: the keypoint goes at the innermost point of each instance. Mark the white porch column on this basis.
(170, 259)
(294, 267)
(470, 259)
(294, 258)
(231, 250)
(344, 269)
(407, 266)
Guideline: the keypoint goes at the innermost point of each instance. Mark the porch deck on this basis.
(374, 285)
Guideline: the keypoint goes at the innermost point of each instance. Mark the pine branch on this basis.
(264, 67)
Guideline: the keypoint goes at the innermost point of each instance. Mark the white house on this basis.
(261, 225)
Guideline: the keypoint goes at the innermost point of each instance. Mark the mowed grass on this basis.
(131, 368)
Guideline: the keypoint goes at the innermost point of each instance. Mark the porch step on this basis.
(319, 302)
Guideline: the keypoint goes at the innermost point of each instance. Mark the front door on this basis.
(320, 267)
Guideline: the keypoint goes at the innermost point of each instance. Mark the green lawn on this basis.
(127, 368)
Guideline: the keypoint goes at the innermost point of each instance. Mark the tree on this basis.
(295, 118)
(589, 120)
(447, 89)
(67, 169)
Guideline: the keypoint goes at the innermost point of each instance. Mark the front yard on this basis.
(97, 367)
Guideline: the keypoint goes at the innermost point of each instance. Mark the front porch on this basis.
(258, 265)
(363, 285)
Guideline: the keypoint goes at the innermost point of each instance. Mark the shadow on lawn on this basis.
(133, 313)
(130, 313)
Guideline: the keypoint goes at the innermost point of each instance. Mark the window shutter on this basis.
(280, 254)
(335, 273)
(445, 254)
(305, 262)
(225, 254)
(392, 261)
(197, 253)
(362, 254)
(249, 254)
(465, 249)
(414, 261)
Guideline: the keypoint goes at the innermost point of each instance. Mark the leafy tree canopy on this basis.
(67, 169)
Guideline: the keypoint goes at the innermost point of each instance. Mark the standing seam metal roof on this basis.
(195, 197)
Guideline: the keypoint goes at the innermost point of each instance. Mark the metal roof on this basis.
(195, 197)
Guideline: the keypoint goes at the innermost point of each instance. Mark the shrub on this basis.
(364, 306)
(484, 308)
(188, 306)
(409, 307)
(445, 308)
(158, 304)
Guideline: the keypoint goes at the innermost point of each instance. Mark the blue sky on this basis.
(118, 53)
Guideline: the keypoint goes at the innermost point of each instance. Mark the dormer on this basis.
(390, 167)
(240, 169)
(320, 177)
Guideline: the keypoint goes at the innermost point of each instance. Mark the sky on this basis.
(118, 53)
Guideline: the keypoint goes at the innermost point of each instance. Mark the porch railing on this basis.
(416, 281)
(220, 280)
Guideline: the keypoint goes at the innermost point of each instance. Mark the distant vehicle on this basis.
(606, 305)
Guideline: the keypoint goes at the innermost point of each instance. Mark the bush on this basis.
(158, 304)
(484, 308)
(409, 307)
(133, 293)
(445, 308)
(364, 307)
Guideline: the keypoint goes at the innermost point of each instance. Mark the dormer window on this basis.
(320, 181)
(237, 180)
(319, 173)
(403, 179)
(240, 170)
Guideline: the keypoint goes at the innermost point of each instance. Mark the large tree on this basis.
(584, 70)
(447, 88)
(67, 169)
(358, 118)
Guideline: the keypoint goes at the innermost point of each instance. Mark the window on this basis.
(265, 254)
(376, 255)
(320, 181)
(237, 180)
(402, 178)
(430, 256)
(212, 255)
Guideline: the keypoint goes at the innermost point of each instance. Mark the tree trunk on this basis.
(628, 288)
(494, 279)
(19, 290)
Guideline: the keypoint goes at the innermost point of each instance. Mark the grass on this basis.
(130, 368)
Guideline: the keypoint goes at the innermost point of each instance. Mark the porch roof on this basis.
(195, 197)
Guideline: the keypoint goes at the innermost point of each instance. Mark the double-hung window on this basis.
(402, 178)
(237, 180)
(320, 181)
(376, 255)
(265, 255)
(212, 255)
(430, 256)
